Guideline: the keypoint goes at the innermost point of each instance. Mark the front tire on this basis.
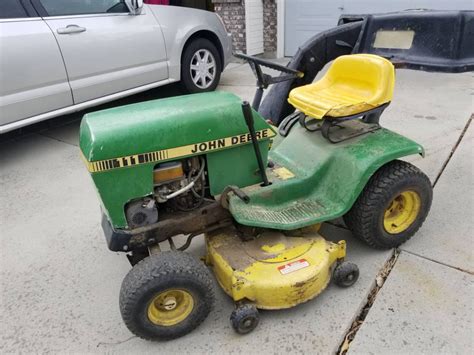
(200, 66)
(392, 207)
(166, 296)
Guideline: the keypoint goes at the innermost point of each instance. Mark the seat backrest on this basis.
(367, 75)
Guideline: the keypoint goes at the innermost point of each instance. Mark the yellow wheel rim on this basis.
(170, 307)
(401, 212)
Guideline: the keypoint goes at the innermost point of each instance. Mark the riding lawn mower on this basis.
(257, 181)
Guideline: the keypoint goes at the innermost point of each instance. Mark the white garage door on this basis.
(253, 26)
(305, 18)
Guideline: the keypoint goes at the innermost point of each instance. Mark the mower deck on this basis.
(272, 271)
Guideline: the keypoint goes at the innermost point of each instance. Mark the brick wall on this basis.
(269, 25)
(233, 14)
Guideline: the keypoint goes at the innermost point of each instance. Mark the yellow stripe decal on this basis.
(173, 153)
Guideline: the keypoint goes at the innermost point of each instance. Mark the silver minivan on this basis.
(60, 56)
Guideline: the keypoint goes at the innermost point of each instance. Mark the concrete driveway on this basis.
(60, 283)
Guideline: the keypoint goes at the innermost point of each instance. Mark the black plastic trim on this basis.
(117, 240)
(442, 43)
(30, 10)
(39, 8)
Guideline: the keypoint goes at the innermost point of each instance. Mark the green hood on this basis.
(162, 124)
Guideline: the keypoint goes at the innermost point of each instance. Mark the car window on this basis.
(82, 7)
(11, 9)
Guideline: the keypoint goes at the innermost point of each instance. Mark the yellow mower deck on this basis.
(273, 271)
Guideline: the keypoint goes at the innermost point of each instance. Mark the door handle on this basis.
(69, 29)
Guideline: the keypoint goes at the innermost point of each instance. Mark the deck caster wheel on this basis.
(345, 274)
(166, 296)
(244, 318)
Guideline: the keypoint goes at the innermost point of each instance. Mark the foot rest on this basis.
(290, 216)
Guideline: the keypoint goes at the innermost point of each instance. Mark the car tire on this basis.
(200, 67)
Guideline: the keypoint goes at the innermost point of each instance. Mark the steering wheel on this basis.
(264, 80)
(269, 64)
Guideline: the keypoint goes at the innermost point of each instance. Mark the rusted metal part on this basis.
(175, 223)
(206, 218)
(216, 226)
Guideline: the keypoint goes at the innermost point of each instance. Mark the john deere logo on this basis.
(230, 141)
(174, 153)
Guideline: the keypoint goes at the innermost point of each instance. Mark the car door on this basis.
(33, 79)
(106, 49)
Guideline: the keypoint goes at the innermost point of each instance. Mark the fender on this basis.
(324, 179)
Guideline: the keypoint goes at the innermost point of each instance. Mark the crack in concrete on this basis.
(387, 268)
(453, 150)
(359, 320)
(379, 282)
(57, 139)
(439, 262)
(117, 342)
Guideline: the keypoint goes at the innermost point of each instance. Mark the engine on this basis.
(178, 186)
(153, 160)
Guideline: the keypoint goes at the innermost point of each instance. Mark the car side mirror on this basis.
(136, 6)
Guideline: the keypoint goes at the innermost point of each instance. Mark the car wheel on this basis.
(200, 66)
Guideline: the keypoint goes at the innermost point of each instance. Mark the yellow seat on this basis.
(353, 84)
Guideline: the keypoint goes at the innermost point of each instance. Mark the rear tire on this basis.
(166, 296)
(200, 66)
(392, 207)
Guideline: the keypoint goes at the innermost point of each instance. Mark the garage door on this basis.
(305, 18)
(253, 26)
